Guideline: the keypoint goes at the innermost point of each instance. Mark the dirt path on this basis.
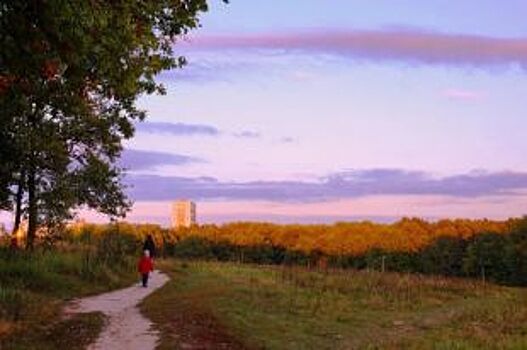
(126, 327)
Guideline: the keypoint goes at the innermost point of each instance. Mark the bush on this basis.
(491, 257)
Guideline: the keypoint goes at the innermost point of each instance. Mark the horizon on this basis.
(164, 221)
(304, 111)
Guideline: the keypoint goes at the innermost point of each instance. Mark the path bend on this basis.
(127, 328)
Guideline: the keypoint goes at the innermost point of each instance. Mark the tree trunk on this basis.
(19, 196)
(32, 208)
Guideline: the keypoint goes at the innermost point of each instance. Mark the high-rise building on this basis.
(183, 213)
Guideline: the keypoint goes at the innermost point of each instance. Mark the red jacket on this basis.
(145, 265)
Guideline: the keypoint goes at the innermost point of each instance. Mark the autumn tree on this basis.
(70, 76)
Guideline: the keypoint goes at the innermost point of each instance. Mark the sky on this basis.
(320, 111)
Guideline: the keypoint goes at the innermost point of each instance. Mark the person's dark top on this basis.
(150, 246)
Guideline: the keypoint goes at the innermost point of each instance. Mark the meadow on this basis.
(228, 305)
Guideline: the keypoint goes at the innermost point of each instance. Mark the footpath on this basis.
(126, 327)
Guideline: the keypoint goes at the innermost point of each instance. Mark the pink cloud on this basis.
(461, 94)
(413, 46)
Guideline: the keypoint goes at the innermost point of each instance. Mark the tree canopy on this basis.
(70, 75)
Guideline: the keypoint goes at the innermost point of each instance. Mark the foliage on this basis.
(490, 256)
(353, 238)
(444, 256)
(6, 161)
(493, 251)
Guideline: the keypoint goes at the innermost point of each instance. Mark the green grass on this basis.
(293, 308)
(34, 287)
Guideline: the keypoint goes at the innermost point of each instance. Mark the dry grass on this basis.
(74, 333)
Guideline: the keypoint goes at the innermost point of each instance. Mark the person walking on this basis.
(145, 266)
(150, 245)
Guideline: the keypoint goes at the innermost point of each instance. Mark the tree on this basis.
(490, 256)
(70, 75)
(444, 256)
(5, 166)
(519, 258)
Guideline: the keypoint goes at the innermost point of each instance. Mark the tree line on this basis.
(494, 251)
(346, 238)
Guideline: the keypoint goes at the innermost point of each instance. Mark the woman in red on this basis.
(145, 266)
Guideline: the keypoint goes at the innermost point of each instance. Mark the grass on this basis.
(34, 287)
(75, 333)
(184, 320)
(293, 308)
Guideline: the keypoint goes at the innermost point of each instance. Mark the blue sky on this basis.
(484, 17)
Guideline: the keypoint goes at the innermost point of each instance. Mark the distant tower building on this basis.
(183, 213)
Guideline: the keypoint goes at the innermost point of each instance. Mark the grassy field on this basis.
(240, 306)
(34, 287)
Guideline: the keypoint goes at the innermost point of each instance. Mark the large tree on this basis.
(70, 74)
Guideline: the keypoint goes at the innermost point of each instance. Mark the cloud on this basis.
(461, 94)
(182, 129)
(302, 76)
(247, 134)
(287, 139)
(401, 45)
(179, 129)
(133, 159)
(202, 67)
(350, 184)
